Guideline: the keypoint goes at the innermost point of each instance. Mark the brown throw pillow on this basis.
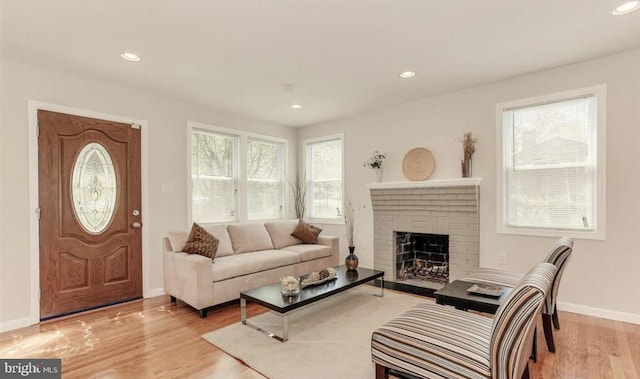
(201, 242)
(306, 233)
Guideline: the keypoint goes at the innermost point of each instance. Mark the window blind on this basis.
(265, 183)
(324, 170)
(550, 165)
(213, 176)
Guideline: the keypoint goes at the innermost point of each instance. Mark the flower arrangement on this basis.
(468, 148)
(376, 161)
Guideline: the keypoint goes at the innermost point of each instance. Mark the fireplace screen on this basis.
(422, 257)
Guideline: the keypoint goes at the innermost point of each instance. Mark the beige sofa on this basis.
(249, 256)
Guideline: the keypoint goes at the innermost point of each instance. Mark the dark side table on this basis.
(456, 294)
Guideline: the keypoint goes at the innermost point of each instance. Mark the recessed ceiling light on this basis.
(407, 74)
(131, 57)
(627, 7)
(296, 106)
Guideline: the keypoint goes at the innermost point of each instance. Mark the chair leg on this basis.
(554, 317)
(548, 332)
(203, 313)
(525, 374)
(381, 372)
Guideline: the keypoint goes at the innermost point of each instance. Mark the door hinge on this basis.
(38, 210)
(135, 126)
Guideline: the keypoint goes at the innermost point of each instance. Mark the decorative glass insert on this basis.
(94, 188)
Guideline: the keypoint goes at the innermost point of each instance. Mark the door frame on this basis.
(34, 228)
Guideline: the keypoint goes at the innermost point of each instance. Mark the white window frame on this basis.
(600, 94)
(240, 165)
(307, 173)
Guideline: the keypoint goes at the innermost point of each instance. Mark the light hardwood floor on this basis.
(154, 338)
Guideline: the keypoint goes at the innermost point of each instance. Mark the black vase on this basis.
(351, 261)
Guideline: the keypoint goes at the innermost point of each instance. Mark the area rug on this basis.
(328, 339)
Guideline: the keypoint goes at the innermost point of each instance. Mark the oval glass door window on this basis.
(94, 188)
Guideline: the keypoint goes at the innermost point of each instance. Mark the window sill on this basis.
(590, 235)
(326, 221)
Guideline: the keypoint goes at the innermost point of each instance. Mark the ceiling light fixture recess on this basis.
(131, 57)
(627, 7)
(407, 74)
(296, 106)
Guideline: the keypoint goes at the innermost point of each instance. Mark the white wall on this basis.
(166, 164)
(601, 274)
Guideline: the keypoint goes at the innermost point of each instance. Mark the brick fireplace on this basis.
(447, 208)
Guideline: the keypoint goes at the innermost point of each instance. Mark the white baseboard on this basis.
(631, 318)
(154, 292)
(17, 323)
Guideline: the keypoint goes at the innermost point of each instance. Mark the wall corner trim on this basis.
(17, 323)
(153, 293)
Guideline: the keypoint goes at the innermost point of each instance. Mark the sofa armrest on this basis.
(189, 278)
(334, 244)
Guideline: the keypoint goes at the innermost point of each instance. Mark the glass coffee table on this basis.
(269, 296)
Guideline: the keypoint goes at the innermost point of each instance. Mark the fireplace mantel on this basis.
(454, 182)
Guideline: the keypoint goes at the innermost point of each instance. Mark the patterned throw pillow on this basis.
(307, 233)
(201, 242)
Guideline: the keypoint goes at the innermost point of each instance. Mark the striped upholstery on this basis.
(558, 256)
(433, 341)
(494, 276)
(513, 324)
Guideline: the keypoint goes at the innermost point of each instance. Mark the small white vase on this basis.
(379, 173)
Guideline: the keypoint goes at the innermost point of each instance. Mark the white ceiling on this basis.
(342, 56)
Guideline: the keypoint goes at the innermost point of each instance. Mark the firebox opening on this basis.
(422, 259)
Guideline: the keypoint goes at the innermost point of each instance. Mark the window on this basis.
(213, 176)
(235, 176)
(553, 165)
(324, 177)
(264, 179)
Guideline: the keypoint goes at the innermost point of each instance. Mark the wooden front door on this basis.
(90, 213)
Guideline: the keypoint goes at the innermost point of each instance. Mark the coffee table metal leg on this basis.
(285, 323)
(285, 328)
(382, 287)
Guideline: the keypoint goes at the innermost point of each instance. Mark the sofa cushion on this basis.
(306, 232)
(177, 238)
(249, 263)
(249, 237)
(280, 232)
(201, 242)
(309, 252)
(220, 231)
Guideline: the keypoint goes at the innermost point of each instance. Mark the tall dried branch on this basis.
(299, 190)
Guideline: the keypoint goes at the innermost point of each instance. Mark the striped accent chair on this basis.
(435, 341)
(558, 256)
